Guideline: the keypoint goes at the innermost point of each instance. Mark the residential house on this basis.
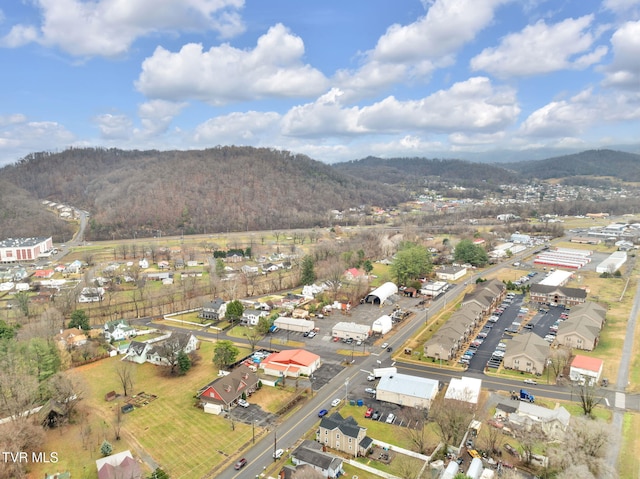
(70, 338)
(310, 453)
(221, 393)
(527, 353)
(450, 273)
(553, 422)
(291, 363)
(75, 267)
(118, 466)
(143, 263)
(161, 351)
(303, 471)
(91, 295)
(342, 434)
(354, 274)
(43, 273)
(406, 390)
(214, 310)
(584, 369)
(252, 316)
(117, 330)
(249, 270)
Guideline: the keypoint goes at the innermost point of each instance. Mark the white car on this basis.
(530, 381)
(371, 377)
(243, 403)
(370, 390)
(335, 402)
(311, 334)
(384, 345)
(390, 418)
(278, 454)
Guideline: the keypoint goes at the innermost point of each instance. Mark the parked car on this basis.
(311, 334)
(336, 339)
(335, 402)
(240, 464)
(243, 403)
(278, 454)
(323, 413)
(371, 377)
(305, 334)
(375, 416)
(368, 413)
(358, 342)
(370, 390)
(390, 418)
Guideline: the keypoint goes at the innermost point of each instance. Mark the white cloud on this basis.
(109, 27)
(12, 119)
(624, 71)
(558, 118)
(225, 74)
(623, 6)
(114, 127)
(20, 137)
(446, 27)
(414, 51)
(18, 36)
(542, 48)
(156, 115)
(250, 128)
(471, 105)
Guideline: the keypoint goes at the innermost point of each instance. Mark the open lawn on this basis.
(629, 459)
(170, 429)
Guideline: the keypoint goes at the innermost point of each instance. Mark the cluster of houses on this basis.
(475, 307)
(581, 330)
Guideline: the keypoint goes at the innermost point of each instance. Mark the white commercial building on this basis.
(464, 389)
(406, 390)
(612, 263)
(559, 277)
(294, 324)
(381, 294)
(344, 330)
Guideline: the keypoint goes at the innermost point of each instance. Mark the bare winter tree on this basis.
(125, 372)
(18, 388)
(117, 422)
(253, 336)
(452, 416)
(493, 439)
(19, 435)
(590, 441)
(416, 420)
(67, 390)
(559, 359)
(589, 396)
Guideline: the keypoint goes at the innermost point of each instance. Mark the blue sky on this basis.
(336, 80)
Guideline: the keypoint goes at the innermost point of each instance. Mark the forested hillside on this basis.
(419, 170)
(204, 191)
(592, 163)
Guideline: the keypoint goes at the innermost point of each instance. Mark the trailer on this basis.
(379, 372)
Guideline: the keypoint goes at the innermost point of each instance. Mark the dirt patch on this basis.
(382, 455)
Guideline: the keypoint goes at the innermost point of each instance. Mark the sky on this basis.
(334, 80)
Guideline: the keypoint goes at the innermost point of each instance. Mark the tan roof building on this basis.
(527, 352)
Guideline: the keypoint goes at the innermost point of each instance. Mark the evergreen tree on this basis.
(106, 448)
(79, 319)
(308, 274)
(184, 362)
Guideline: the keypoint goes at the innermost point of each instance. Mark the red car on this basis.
(369, 413)
(240, 464)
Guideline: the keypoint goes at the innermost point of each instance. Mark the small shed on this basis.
(52, 414)
(127, 408)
